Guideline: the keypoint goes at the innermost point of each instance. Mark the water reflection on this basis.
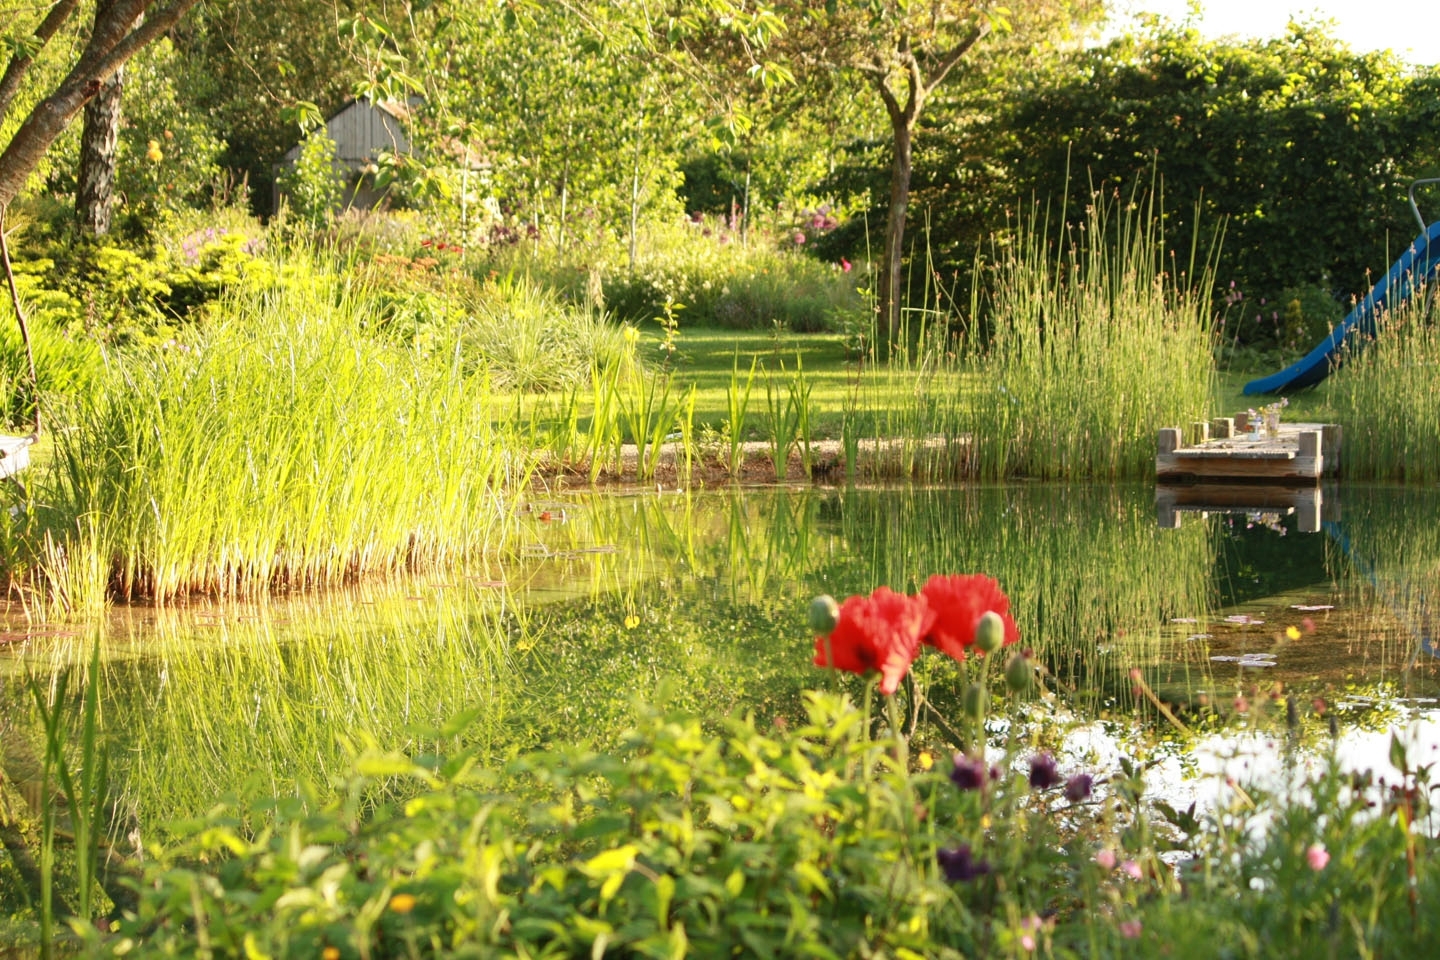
(696, 600)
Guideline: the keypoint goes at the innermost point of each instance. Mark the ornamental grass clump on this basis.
(1084, 342)
(1384, 395)
(282, 447)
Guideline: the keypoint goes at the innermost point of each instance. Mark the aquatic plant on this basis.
(1384, 396)
(1082, 343)
(281, 447)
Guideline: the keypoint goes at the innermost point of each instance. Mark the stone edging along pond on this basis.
(934, 457)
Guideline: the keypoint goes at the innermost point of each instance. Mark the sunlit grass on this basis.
(282, 447)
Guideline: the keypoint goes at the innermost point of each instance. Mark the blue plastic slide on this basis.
(1408, 273)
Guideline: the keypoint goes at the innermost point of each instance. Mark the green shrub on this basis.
(67, 363)
(814, 841)
(311, 185)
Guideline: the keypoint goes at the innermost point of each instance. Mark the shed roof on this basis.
(362, 129)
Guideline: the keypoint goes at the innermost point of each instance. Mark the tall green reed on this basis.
(1083, 341)
(282, 447)
(737, 403)
(650, 414)
(1384, 395)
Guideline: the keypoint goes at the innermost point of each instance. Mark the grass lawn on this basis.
(708, 356)
(1311, 406)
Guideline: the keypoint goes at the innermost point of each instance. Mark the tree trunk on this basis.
(111, 44)
(95, 183)
(889, 288)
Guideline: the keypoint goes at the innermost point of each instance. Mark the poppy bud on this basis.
(975, 701)
(990, 632)
(824, 615)
(1019, 674)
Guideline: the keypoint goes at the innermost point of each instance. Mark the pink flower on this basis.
(1027, 941)
(844, 265)
(1106, 859)
(1317, 856)
(799, 237)
(1132, 869)
(1130, 929)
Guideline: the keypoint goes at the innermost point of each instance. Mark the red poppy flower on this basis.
(957, 603)
(880, 632)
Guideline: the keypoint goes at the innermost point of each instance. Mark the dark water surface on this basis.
(696, 602)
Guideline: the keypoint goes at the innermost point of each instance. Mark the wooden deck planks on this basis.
(1300, 453)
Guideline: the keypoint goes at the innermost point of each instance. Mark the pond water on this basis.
(696, 601)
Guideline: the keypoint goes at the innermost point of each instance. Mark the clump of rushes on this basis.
(1384, 395)
(285, 447)
(1097, 336)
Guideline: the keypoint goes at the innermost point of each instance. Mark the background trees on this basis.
(904, 51)
(1298, 148)
(557, 120)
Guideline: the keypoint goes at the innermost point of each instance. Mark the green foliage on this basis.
(817, 840)
(67, 363)
(238, 63)
(280, 445)
(167, 156)
(678, 843)
(134, 294)
(723, 280)
(311, 185)
(1299, 146)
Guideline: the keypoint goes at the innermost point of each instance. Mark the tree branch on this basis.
(20, 64)
(949, 60)
(916, 84)
(111, 45)
(881, 75)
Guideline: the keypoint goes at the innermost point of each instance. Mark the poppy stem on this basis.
(902, 742)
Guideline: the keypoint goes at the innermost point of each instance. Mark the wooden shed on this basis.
(362, 130)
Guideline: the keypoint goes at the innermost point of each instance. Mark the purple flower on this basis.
(1043, 772)
(960, 865)
(968, 774)
(1078, 787)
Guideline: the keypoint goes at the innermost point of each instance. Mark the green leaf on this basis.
(1398, 758)
(621, 859)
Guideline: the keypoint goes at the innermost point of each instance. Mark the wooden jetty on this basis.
(1309, 504)
(1226, 449)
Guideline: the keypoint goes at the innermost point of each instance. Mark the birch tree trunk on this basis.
(99, 137)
